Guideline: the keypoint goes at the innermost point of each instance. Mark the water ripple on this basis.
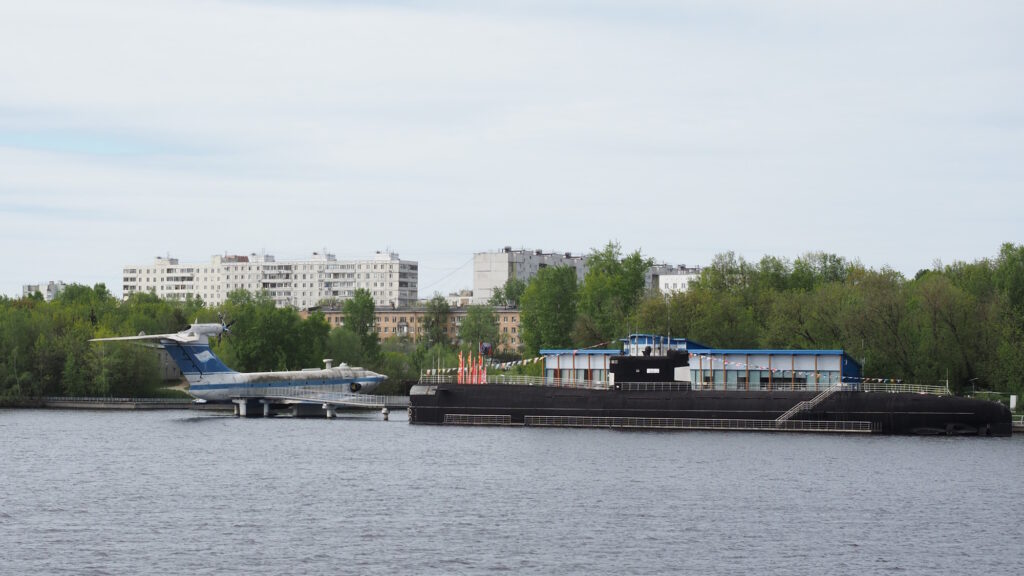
(159, 492)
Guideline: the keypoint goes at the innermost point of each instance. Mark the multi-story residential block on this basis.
(410, 323)
(492, 269)
(299, 283)
(670, 279)
(460, 298)
(50, 290)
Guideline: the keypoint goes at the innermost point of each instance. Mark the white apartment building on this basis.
(50, 290)
(492, 269)
(298, 283)
(672, 279)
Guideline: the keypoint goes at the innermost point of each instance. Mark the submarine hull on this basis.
(888, 413)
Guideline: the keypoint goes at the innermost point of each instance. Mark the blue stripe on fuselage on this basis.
(285, 383)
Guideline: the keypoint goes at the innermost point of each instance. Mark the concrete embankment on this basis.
(129, 404)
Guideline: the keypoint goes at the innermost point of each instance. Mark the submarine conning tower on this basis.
(670, 367)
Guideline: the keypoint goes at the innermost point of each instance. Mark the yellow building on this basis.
(410, 323)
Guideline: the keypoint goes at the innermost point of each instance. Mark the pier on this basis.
(299, 403)
(310, 403)
(117, 403)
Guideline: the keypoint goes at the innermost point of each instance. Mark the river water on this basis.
(181, 492)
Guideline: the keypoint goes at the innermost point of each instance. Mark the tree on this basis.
(509, 294)
(314, 332)
(480, 325)
(435, 321)
(344, 345)
(359, 314)
(1009, 276)
(128, 370)
(400, 362)
(611, 292)
(883, 320)
(548, 309)
(722, 320)
(266, 338)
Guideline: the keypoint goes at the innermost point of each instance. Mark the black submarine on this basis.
(644, 392)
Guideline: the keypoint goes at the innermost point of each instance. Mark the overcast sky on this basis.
(889, 132)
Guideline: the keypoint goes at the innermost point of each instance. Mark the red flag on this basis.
(458, 378)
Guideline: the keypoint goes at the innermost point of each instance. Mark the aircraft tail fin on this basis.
(195, 360)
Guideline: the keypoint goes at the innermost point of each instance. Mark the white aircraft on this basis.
(210, 380)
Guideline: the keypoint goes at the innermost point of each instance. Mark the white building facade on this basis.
(492, 269)
(672, 279)
(298, 283)
(50, 290)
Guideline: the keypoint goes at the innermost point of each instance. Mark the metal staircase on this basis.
(808, 404)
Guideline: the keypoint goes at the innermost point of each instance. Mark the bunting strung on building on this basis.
(480, 367)
(514, 363)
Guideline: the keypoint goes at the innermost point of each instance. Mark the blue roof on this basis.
(774, 352)
(581, 352)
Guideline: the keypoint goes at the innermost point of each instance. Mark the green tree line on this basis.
(45, 348)
(964, 321)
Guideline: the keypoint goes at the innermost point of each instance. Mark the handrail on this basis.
(701, 424)
(808, 404)
(896, 388)
(354, 399)
(257, 391)
(520, 381)
(652, 386)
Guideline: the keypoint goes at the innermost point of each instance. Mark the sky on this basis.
(886, 132)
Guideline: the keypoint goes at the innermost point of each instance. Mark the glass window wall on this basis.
(719, 376)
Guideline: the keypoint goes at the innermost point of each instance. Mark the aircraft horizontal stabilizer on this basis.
(144, 337)
(176, 337)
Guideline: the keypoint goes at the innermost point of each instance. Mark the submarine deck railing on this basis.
(666, 423)
(702, 424)
(893, 387)
(518, 381)
(660, 386)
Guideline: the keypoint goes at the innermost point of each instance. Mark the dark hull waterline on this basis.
(883, 412)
